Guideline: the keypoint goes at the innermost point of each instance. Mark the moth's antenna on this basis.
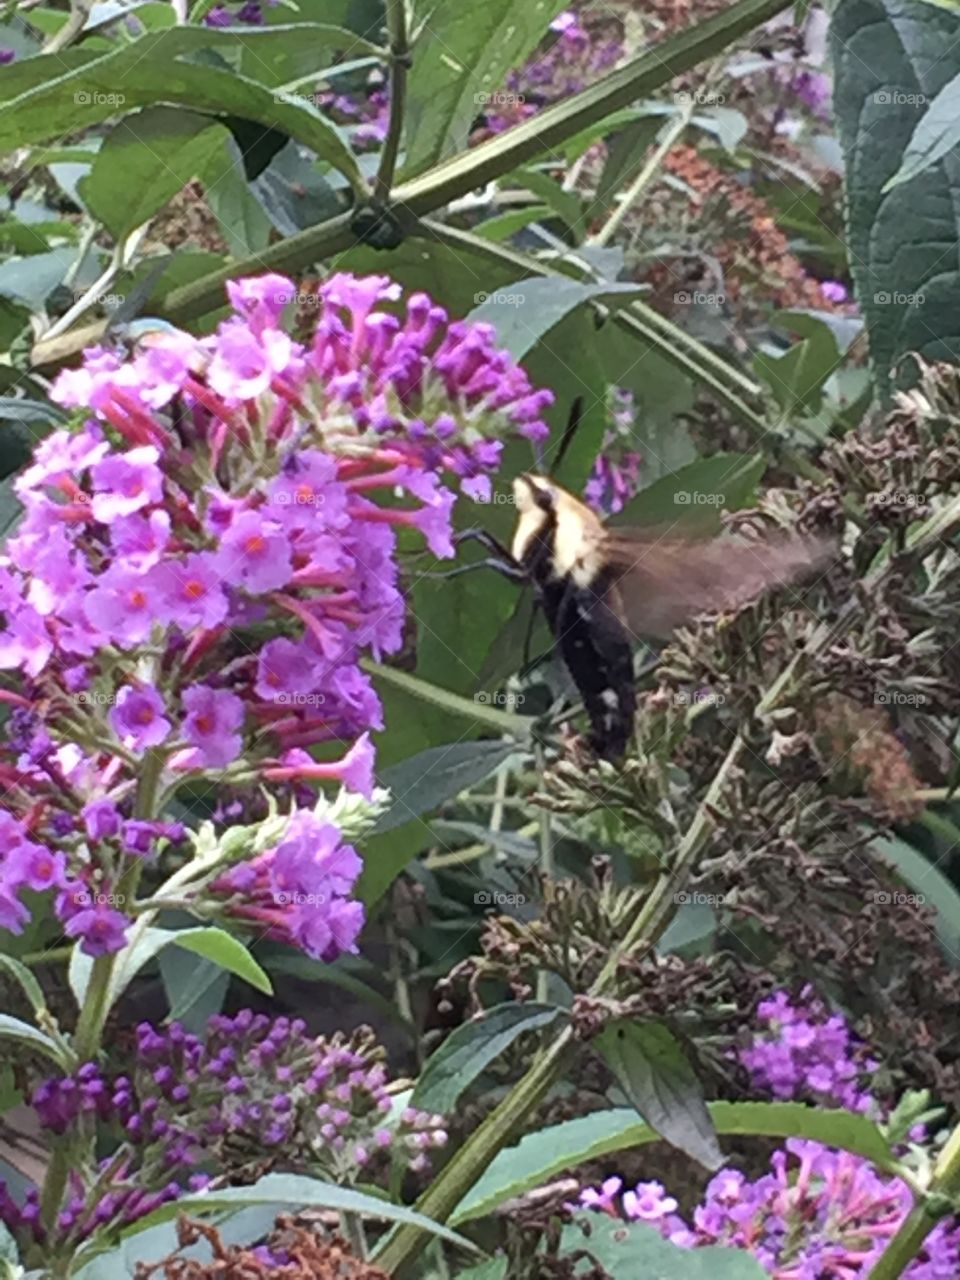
(569, 431)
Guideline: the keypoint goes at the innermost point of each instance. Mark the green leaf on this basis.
(297, 965)
(796, 378)
(468, 1051)
(460, 61)
(31, 280)
(698, 492)
(890, 58)
(418, 785)
(147, 943)
(935, 136)
(652, 1069)
(15, 1029)
(495, 1269)
(29, 985)
(195, 991)
(527, 311)
(628, 1250)
(545, 1153)
(508, 224)
(928, 881)
(728, 125)
(144, 161)
(243, 220)
(147, 72)
(567, 205)
(290, 1192)
(626, 152)
(226, 951)
(428, 780)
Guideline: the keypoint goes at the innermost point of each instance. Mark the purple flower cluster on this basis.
(366, 118)
(202, 564)
(615, 478)
(804, 1051)
(572, 57)
(818, 1212)
(254, 1086)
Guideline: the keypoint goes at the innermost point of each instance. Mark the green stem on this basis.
(546, 866)
(399, 62)
(645, 176)
(518, 727)
(69, 1152)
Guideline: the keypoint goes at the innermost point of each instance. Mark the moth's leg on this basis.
(508, 568)
(487, 541)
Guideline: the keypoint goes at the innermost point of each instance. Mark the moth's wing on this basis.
(665, 580)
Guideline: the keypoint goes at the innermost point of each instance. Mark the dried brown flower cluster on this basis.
(752, 253)
(293, 1252)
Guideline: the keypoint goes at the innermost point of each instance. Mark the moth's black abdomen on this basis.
(598, 652)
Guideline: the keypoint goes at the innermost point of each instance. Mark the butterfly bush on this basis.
(252, 1089)
(200, 567)
(818, 1212)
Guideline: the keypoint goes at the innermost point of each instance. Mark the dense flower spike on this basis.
(254, 1086)
(200, 568)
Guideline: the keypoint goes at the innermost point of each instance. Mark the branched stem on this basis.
(399, 63)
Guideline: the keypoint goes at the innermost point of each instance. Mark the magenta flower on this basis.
(101, 819)
(648, 1202)
(61, 456)
(26, 643)
(214, 718)
(137, 717)
(125, 483)
(36, 867)
(190, 591)
(262, 300)
(255, 552)
(99, 929)
(122, 606)
(244, 363)
(286, 671)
